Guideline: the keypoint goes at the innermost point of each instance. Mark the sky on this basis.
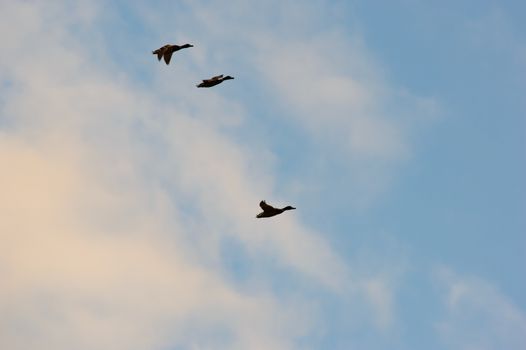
(128, 196)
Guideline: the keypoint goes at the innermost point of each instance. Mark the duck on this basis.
(167, 50)
(218, 79)
(269, 210)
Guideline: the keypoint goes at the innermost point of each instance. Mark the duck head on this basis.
(228, 77)
(288, 207)
(186, 46)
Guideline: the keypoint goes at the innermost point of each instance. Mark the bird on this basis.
(218, 79)
(167, 50)
(269, 210)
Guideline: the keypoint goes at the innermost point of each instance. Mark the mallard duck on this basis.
(218, 79)
(269, 210)
(167, 50)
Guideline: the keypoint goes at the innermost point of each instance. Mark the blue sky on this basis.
(128, 195)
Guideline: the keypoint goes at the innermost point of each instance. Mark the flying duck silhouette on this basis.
(167, 50)
(218, 79)
(269, 210)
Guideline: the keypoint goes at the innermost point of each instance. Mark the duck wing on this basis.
(265, 206)
(213, 79)
(217, 77)
(159, 53)
(168, 56)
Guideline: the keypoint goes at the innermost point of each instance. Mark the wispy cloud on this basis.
(318, 75)
(117, 196)
(478, 315)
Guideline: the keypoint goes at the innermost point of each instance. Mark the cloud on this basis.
(478, 315)
(117, 198)
(381, 296)
(306, 68)
(329, 82)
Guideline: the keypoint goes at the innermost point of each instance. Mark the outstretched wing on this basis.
(168, 56)
(159, 53)
(265, 206)
(216, 77)
(213, 79)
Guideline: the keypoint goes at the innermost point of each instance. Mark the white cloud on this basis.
(332, 100)
(319, 76)
(116, 198)
(479, 316)
(380, 295)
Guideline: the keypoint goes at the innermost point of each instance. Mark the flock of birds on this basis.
(166, 53)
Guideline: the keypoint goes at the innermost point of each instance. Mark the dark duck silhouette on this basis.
(218, 79)
(269, 210)
(167, 50)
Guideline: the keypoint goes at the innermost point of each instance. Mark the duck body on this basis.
(218, 79)
(269, 211)
(167, 51)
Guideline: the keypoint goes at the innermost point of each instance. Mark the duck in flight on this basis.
(269, 210)
(167, 50)
(218, 79)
